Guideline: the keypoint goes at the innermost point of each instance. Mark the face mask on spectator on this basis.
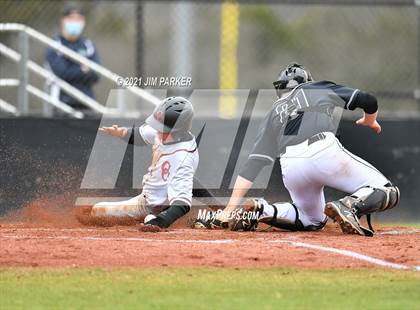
(74, 29)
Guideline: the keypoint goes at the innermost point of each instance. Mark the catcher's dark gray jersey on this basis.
(304, 112)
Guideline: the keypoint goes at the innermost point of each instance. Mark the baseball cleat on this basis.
(347, 220)
(151, 228)
(247, 218)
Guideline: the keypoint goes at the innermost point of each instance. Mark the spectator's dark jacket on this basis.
(70, 71)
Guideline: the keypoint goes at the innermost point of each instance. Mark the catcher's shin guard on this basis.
(286, 224)
(376, 200)
(380, 199)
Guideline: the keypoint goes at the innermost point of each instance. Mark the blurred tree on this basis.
(272, 33)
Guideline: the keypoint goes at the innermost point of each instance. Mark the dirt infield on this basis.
(25, 244)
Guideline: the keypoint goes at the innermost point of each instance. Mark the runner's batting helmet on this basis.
(289, 78)
(173, 114)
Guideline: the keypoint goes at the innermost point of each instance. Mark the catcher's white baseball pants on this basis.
(308, 168)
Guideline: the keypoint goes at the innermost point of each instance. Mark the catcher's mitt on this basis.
(246, 218)
(210, 222)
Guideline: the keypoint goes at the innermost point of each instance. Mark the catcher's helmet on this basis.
(173, 114)
(289, 78)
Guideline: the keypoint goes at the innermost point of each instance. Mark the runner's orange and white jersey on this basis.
(171, 174)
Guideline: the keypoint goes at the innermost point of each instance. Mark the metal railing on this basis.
(39, 94)
(24, 64)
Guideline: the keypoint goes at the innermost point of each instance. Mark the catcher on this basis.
(167, 186)
(300, 129)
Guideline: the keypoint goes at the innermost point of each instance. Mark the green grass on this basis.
(208, 288)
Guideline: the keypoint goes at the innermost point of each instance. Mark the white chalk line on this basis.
(400, 232)
(348, 253)
(221, 241)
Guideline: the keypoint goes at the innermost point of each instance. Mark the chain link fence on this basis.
(373, 45)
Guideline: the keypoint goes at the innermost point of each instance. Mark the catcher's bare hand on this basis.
(369, 120)
(115, 131)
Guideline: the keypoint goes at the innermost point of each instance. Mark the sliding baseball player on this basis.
(167, 186)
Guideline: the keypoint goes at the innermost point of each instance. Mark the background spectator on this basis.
(72, 25)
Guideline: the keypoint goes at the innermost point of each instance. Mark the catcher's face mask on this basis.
(290, 77)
